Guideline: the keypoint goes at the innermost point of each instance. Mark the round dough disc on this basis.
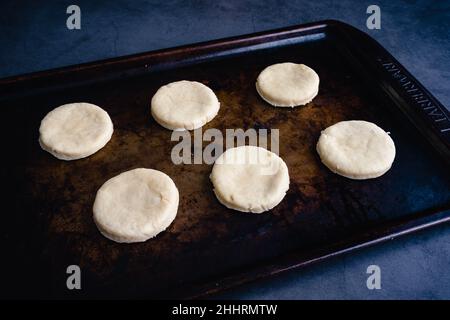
(184, 105)
(75, 130)
(136, 205)
(288, 84)
(356, 149)
(250, 179)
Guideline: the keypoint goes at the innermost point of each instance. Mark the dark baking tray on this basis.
(47, 223)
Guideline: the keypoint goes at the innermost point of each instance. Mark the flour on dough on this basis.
(75, 130)
(184, 105)
(288, 84)
(136, 205)
(250, 179)
(356, 149)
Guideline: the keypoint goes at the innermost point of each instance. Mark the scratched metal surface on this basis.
(50, 225)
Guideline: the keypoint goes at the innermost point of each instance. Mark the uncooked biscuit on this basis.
(288, 84)
(75, 130)
(356, 149)
(136, 205)
(184, 105)
(250, 179)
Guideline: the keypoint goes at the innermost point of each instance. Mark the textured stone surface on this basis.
(34, 37)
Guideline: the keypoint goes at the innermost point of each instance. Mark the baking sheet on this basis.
(209, 247)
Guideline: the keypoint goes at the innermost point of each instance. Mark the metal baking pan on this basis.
(47, 223)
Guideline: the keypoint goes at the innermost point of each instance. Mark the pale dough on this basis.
(184, 105)
(250, 179)
(136, 205)
(75, 130)
(356, 149)
(288, 84)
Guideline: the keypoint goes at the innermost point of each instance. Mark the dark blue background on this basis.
(33, 36)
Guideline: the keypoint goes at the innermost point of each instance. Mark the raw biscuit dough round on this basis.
(75, 130)
(356, 149)
(250, 179)
(184, 105)
(135, 205)
(288, 84)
